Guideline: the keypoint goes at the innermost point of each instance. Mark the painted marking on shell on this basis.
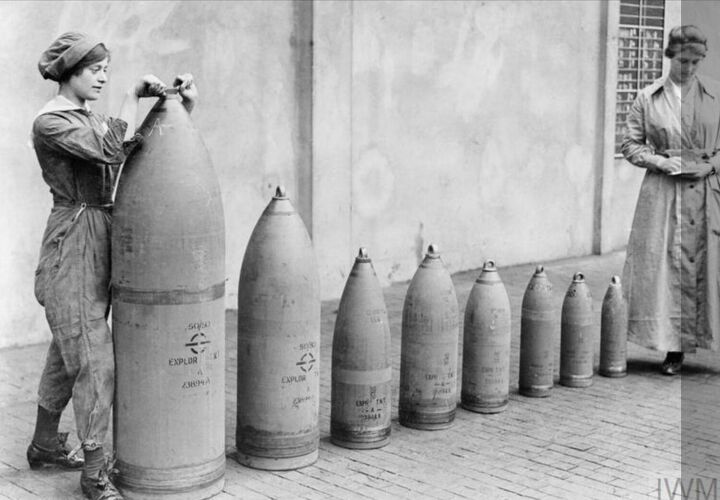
(198, 325)
(194, 360)
(373, 407)
(296, 402)
(198, 343)
(540, 286)
(293, 379)
(376, 316)
(307, 345)
(160, 127)
(190, 360)
(306, 362)
(442, 390)
(191, 384)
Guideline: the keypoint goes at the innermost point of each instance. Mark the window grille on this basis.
(640, 55)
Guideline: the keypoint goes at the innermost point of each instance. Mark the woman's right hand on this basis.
(150, 86)
(670, 166)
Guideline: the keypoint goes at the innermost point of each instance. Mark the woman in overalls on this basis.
(80, 153)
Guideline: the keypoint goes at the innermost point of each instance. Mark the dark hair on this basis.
(97, 54)
(680, 36)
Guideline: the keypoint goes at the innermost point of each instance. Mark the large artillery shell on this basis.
(613, 332)
(537, 326)
(486, 345)
(278, 352)
(361, 369)
(576, 335)
(428, 353)
(168, 313)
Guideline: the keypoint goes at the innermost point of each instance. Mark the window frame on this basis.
(640, 58)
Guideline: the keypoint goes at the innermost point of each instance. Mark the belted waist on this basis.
(702, 154)
(81, 204)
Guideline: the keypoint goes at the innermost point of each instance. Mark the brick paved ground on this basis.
(619, 438)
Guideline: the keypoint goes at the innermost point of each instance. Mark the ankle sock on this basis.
(94, 462)
(46, 428)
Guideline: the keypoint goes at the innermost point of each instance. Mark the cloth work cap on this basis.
(64, 53)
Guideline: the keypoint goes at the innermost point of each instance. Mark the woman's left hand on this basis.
(696, 169)
(185, 84)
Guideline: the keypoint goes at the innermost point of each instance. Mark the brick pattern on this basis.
(616, 439)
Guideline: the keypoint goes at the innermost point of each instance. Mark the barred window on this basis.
(640, 55)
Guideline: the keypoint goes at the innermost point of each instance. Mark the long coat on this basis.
(672, 271)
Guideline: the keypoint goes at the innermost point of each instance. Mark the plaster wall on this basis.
(244, 61)
(706, 16)
(472, 125)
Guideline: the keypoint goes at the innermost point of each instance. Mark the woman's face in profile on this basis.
(88, 84)
(684, 65)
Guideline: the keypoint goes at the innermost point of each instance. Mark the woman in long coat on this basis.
(672, 271)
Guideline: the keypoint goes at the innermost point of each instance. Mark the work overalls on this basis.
(80, 153)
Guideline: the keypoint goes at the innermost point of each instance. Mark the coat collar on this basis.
(665, 83)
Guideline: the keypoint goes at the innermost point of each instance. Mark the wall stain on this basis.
(419, 245)
(395, 268)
